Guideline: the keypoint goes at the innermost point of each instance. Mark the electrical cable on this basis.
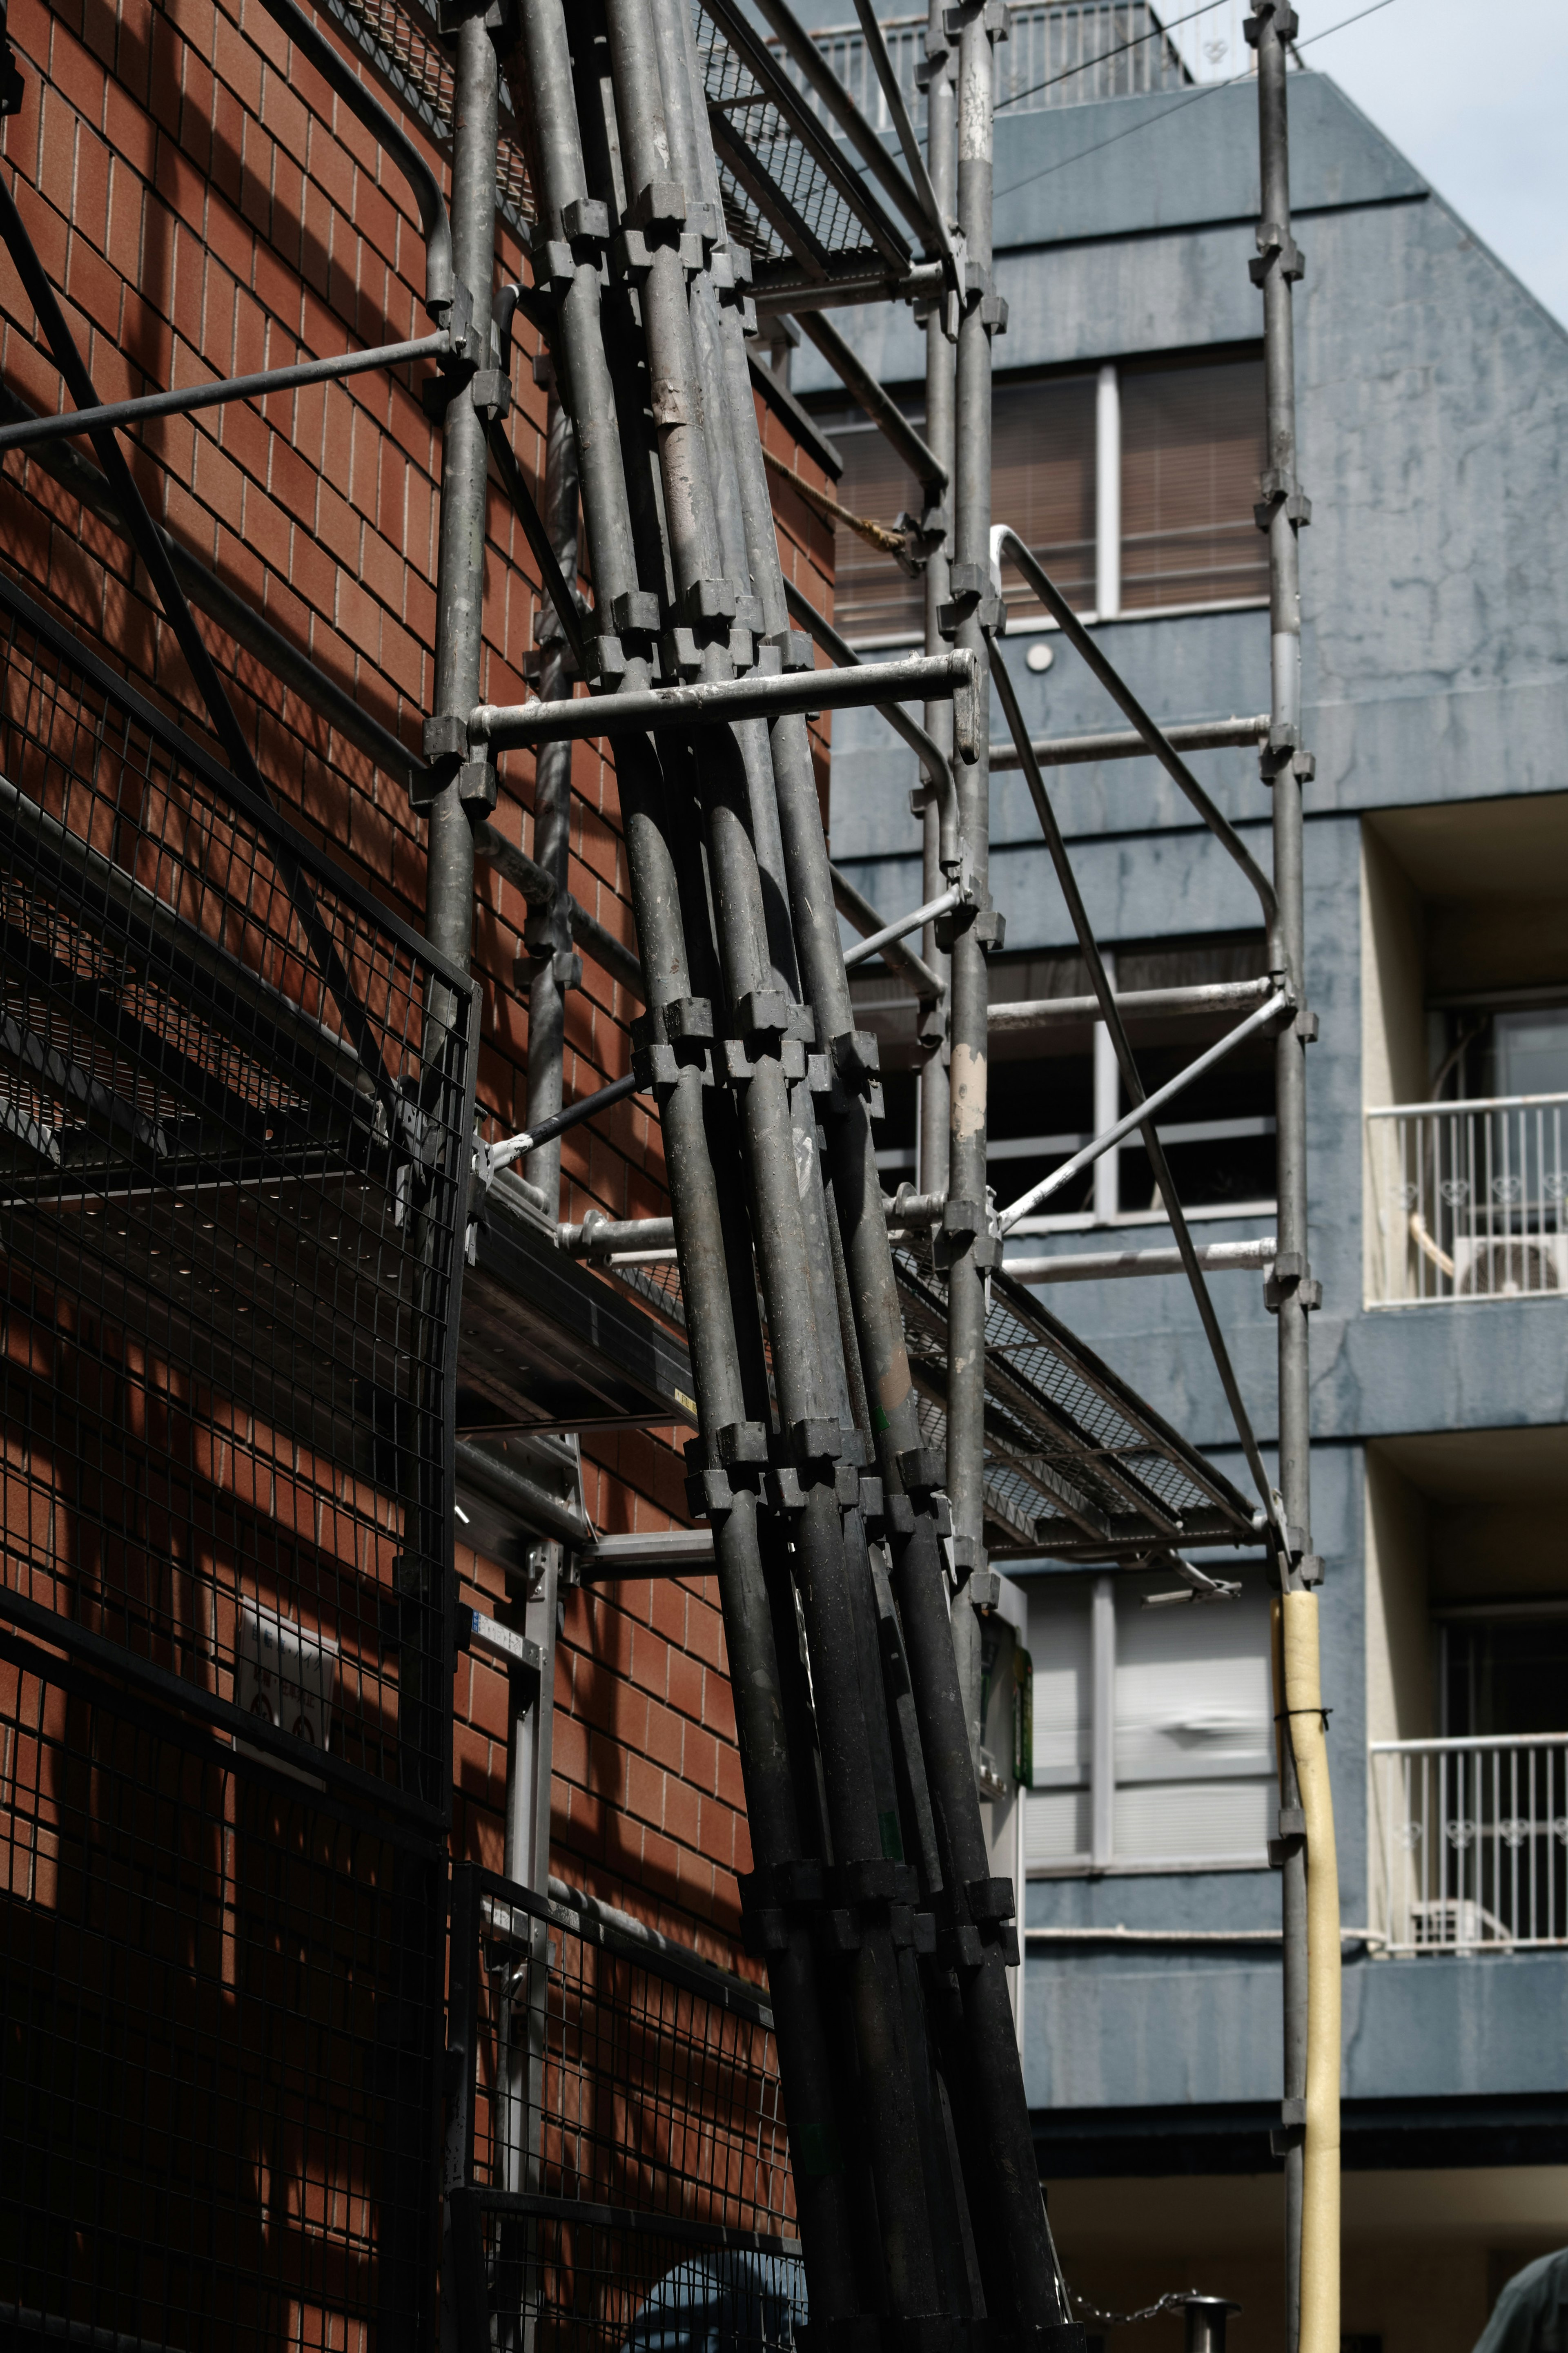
(1088, 64)
(1206, 90)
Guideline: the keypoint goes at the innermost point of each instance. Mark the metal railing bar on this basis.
(1466, 1104)
(118, 414)
(663, 1959)
(1469, 1744)
(937, 231)
(1134, 1005)
(860, 912)
(899, 928)
(1141, 1114)
(883, 411)
(1182, 735)
(640, 2220)
(492, 1157)
(1108, 1266)
(513, 726)
(96, 1651)
(1004, 540)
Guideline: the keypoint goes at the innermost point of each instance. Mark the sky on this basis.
(1475, 93)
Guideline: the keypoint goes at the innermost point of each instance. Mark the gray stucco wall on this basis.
(1434, 399)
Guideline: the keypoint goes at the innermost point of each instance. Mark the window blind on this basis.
(1191, 455)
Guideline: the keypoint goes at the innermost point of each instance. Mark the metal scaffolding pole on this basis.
(548, 935)
(942, 161)
(965, 1246)
(1291, 1292)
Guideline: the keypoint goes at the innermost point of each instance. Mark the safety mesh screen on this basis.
(1075, 1462)
(215, 2117)
(233, 1149)
(780, 203)
(626, 2150)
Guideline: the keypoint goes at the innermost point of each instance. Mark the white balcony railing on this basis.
(1469, 1843)
(1467, 1201)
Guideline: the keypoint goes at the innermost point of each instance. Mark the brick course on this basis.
(204, 207)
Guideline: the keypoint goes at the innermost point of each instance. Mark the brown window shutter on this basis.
(1192, 452)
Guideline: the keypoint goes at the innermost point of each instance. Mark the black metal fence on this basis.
(617, 2170)
(234, 1106)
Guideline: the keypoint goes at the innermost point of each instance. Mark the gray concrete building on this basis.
(1433, 397)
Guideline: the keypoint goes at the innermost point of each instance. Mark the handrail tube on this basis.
(596, 1235)
(900, 928)
(1477, 1102)
(884, 413)
(1127, 1064)
(1111, 1266)
(802, 50)
(1004, 540)
(866, 920)
(720, 701)
(1031, 1013)
(1468, 1741)
(500, 1156)
(391, 138)
(1120, 743)
(254, 386)
(1143, 1112)
(933, 758)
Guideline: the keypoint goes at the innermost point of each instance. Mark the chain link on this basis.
(1125, 2319)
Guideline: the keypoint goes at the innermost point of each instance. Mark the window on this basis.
(1051, 1090)
(1183, 449)
(1192, 453)
(1153, 1741)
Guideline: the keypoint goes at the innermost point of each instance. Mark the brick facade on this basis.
(204, 207)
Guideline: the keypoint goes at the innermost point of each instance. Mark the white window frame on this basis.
(1101, 1860)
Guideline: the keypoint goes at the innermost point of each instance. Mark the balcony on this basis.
(1467, 1201)
(1469, 1843)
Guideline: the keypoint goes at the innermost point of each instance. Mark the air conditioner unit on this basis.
(1501, 1266)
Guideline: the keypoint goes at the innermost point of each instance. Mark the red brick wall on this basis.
(204, 207)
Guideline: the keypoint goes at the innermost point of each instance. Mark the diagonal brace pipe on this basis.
(1005, 542)
(900, 928)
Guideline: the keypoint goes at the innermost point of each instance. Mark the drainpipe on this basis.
(1310, 2122)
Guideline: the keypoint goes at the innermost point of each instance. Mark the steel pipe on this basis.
(596, 1237)
(900, 928)
(884, 412)
(504, 727)
(1143, 1112)
(1112, 1266)
(1029, 1014)
(924, 281)
(117, 414)
(1127, 744)
(1005, 542)
(860, 913)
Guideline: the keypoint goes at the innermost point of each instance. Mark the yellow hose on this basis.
(1321, 2156)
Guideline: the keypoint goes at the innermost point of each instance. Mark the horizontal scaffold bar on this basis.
(258, 386)
(1031, 1013)
(1109, 1266)
(719, 702)
(1126, 743)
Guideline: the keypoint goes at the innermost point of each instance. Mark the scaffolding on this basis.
(202, 1015)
